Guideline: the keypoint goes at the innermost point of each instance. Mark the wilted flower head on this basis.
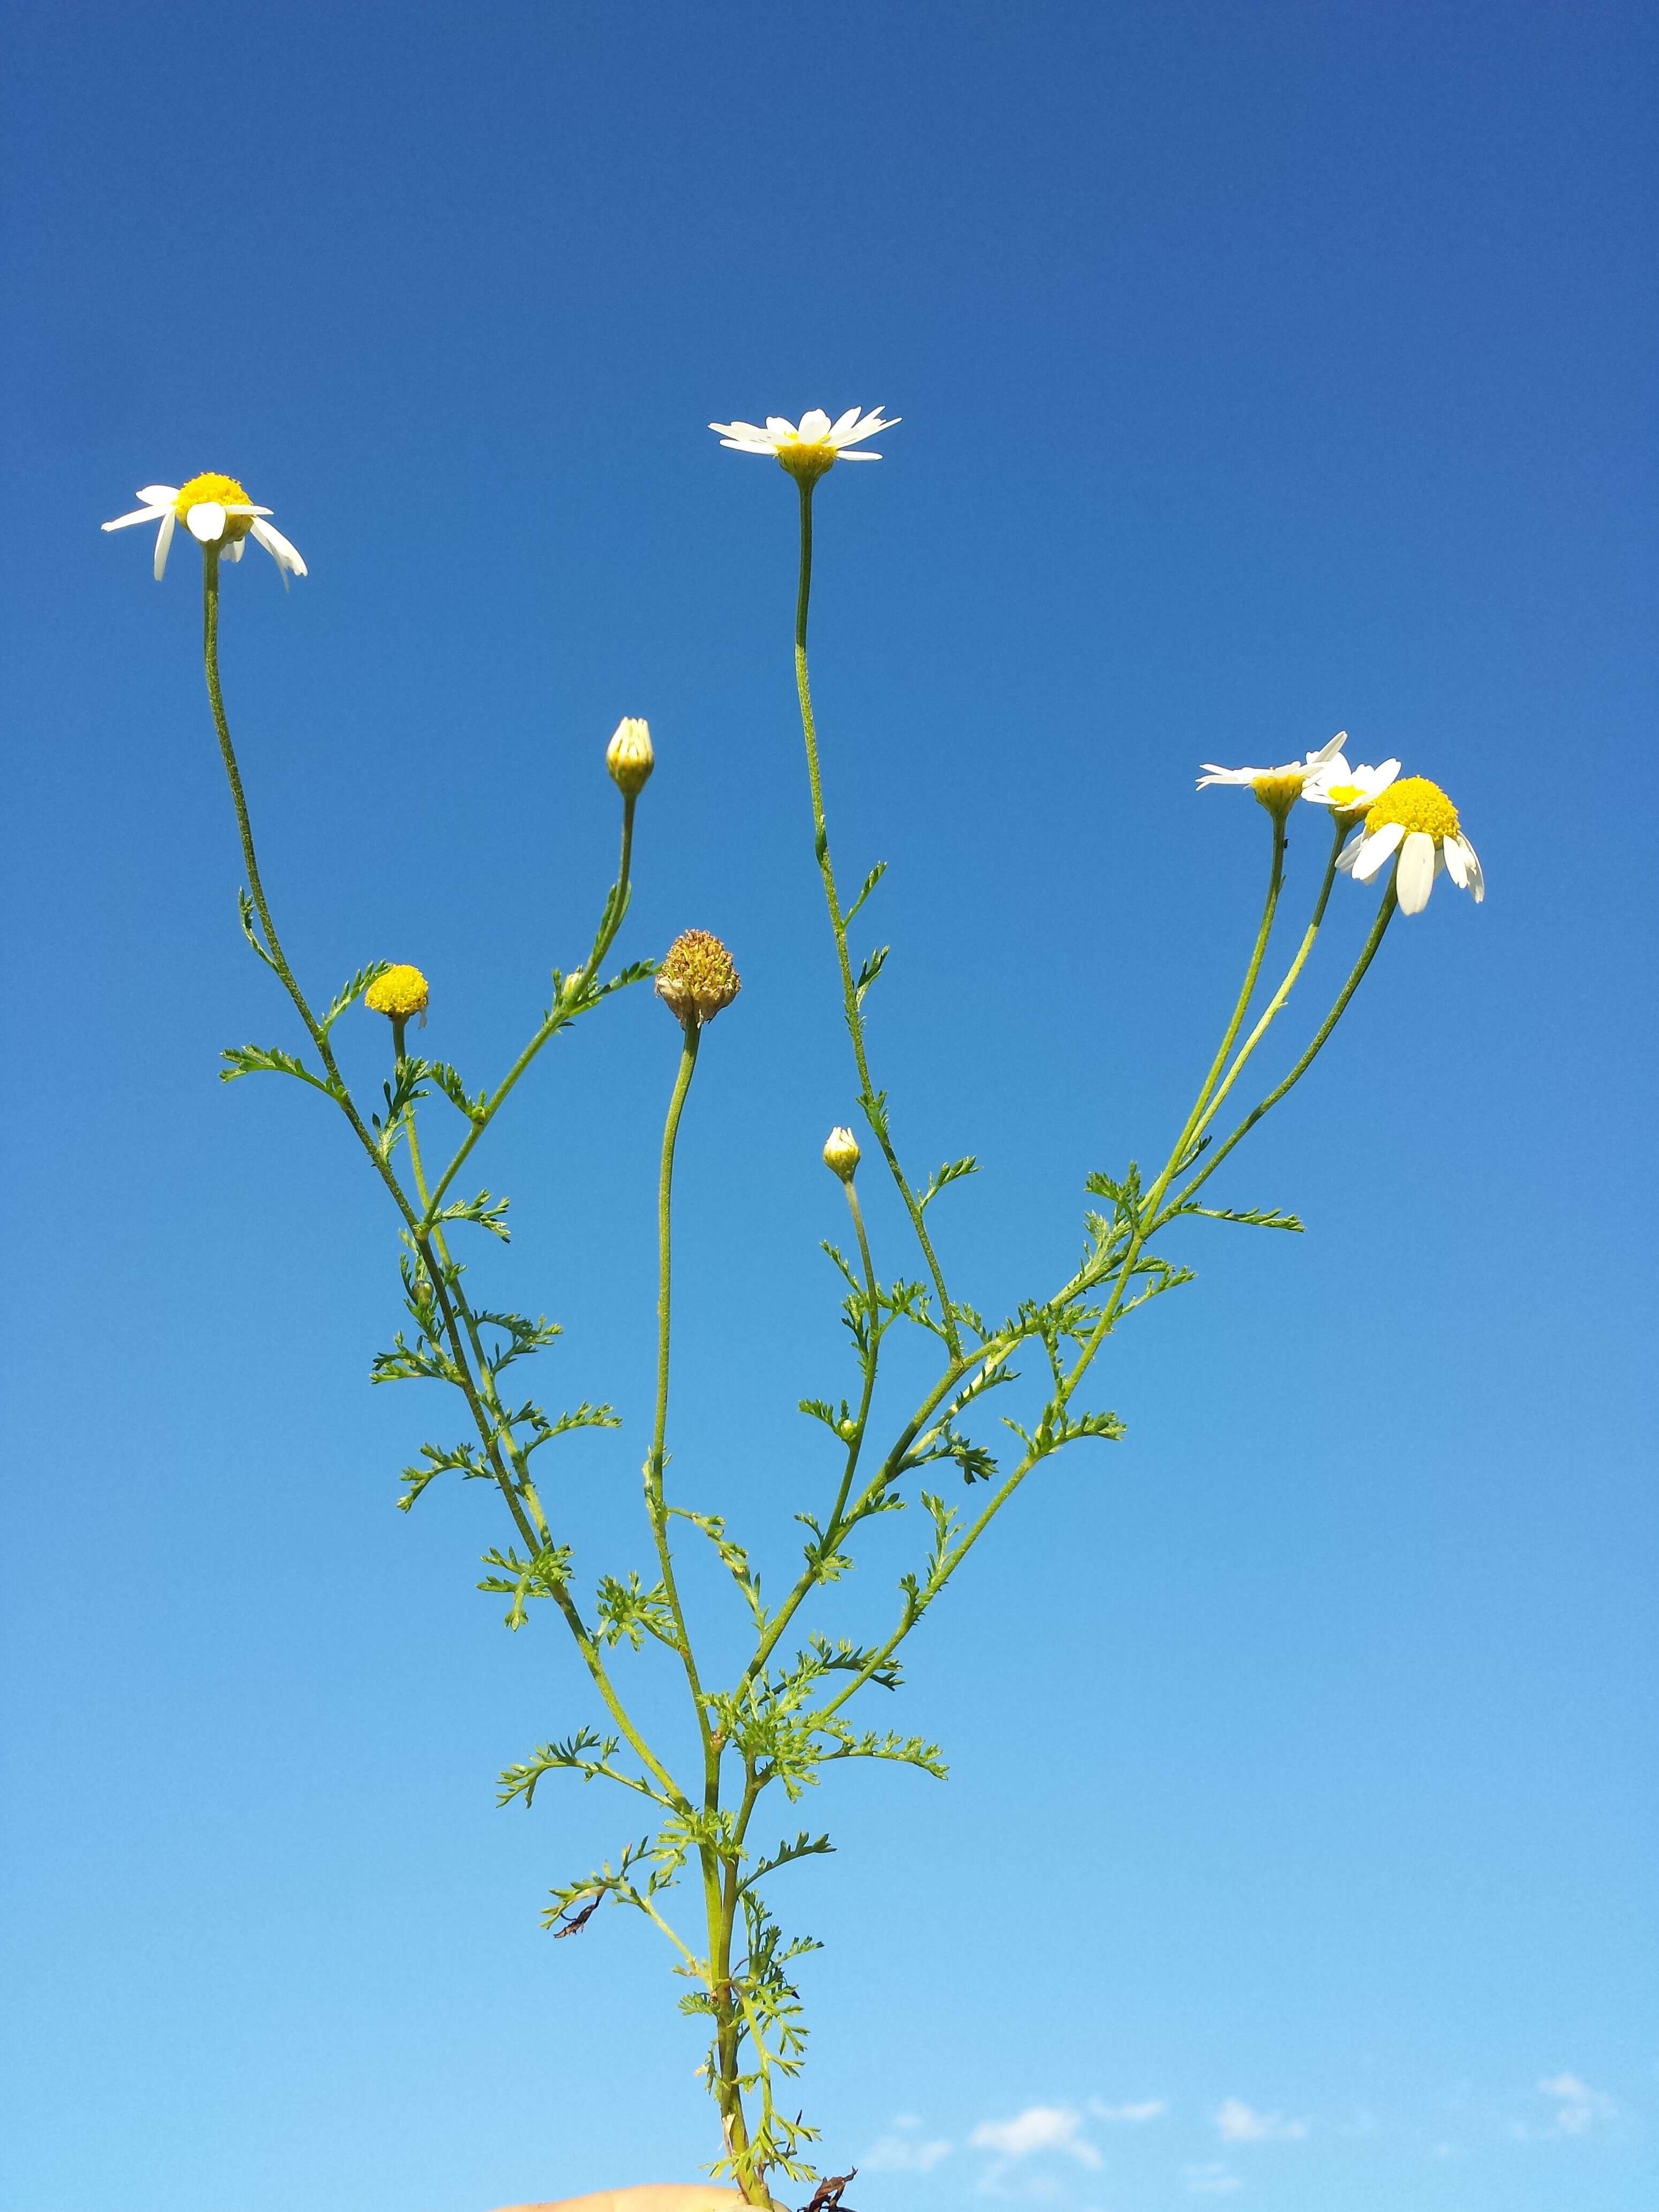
(401, 991)
(841, 1154)
(696, 977)
(811, 447)
(630, 756)
(1278, 789)
(1415, 818)
(216, 511)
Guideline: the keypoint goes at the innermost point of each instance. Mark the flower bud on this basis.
(696, 977)
(629, 755)
(841, 1154)
(401, 991)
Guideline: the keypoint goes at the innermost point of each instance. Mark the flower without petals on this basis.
(1276, 788)
(1415, 818)
(216, 511)
(810, 447)
(400, 992)
(696, 978)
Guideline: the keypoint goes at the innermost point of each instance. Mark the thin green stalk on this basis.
(318, 1034)
(1385, 915)
(808, 1580)
(1190, 1129)
(874, 1111)
(611, 920)
(656, 1506)
(1276, 1004)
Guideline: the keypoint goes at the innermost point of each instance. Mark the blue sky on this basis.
(1264, 371)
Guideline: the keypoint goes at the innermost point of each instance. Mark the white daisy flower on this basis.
(810, 447)
(216, 511)
(1277, 788)
(1415, 819)
(1348, 790)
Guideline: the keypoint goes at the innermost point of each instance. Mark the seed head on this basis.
(696, 977)
(841, 1154)
(629, 755)
(401, 991)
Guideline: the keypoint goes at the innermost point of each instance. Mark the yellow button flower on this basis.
(401, 991)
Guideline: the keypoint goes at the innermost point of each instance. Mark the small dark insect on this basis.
(826, 2198)
(579, 1921)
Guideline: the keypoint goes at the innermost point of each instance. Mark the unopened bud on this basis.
(629, 755)
(696, 977)
(841, 1154)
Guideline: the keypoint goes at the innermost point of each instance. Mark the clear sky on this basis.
(1265, 370)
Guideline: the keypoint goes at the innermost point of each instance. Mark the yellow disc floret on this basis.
(1416, 804)
(225, 491)
(401, 991)
(806, 458)
(1278, 793)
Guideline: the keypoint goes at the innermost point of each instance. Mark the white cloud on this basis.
(1151, 2110)
(1210, 2180)
(1239, 2123)
(1578, 2108)
(904, 2154)
(1039, 2127)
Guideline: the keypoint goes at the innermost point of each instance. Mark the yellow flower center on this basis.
(402, 991)
(227, 493)
(1278, 793)
(806, 458)
(1342, 796)
(1415, 803)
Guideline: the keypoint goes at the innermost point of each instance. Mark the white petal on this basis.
(234, 548)
(813, 425)
(1325, 752)
(282, 551)
(861, 457)
(1415, 877)
(776, 427)
(1472, 865)
(1384, 775)
(1350, 853)
(1376, 850)
(1456, 868)
(843, 424)
(206, 521)
(163, 541)
(159, 494)
(138, 514)
(748, 445)
(738, 429)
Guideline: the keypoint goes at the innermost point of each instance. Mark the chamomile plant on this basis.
(701, 1872)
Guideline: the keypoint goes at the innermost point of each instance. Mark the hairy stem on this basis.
(870, 1104)
(655, 1502)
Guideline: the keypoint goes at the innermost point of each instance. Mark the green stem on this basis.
(1276, 1004)
(873, 1108)
(318, 1034)
(656, 1506)
(570, 1003)
(1385, 915)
